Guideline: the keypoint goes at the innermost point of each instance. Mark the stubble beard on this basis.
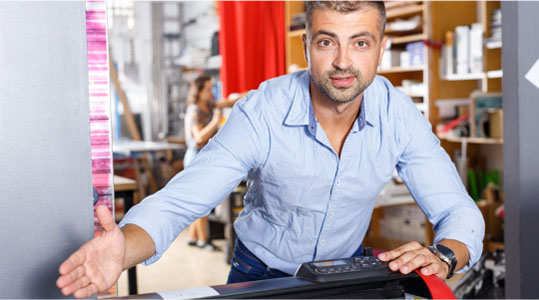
(341, 95)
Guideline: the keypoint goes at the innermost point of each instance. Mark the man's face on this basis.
(343, 52)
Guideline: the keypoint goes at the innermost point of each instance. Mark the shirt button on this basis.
(338, 182)
(322, 242)
(331, 214)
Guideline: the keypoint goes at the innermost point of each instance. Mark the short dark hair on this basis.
(345, 7)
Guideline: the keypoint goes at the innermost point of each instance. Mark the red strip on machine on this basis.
(100, 111)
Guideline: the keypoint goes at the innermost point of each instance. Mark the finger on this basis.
(438, 268)
(80, 283)
(71, 277)
(427, 270)
(390, 255)
(73, 261)
(105, 218)
(400, 261)
(419, 260)
(86, 291)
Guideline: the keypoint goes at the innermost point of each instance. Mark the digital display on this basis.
(330, 263)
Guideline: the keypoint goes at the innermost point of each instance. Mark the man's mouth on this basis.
(342, 81)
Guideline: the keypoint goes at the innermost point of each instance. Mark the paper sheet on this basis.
(189, 293)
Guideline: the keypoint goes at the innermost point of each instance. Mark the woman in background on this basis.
(201, 123)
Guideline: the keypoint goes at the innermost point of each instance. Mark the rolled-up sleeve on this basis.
(433, 181)
(212, 175)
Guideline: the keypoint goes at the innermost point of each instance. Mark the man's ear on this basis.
(305, 41)
(382, 49)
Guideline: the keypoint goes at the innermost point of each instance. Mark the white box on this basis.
(476, 48)
(405, 58)
(462, 44)
(390, 59)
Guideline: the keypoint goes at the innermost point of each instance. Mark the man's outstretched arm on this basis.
(97, 265)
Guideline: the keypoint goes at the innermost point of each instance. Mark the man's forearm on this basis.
(139, 245)
(460, 250)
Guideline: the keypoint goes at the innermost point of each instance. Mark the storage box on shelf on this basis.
(405, 62)
(480, 148)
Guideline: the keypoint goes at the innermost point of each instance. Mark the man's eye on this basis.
(324, 43)
(362, 44)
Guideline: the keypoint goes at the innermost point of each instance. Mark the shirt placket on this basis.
(327, 233)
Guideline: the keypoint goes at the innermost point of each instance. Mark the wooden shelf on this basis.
(421, 107)
(401, 70)
(419, 29)
(470, 76)
(495, 74)
(408, 38)
(300, 69)
(297, 33)
(472, 140)
(392, 4)
(494, 45)
(474, 76)
(402, 11)
(492, 246)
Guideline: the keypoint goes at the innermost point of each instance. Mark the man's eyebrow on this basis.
(323, 32)
(364, 33)
(333, 35)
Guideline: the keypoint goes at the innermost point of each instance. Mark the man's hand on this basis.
(97, 265)
(413, 255)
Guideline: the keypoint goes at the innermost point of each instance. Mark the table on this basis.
(126, 148)
(125, 188)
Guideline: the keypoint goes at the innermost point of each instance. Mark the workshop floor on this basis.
(180, 267)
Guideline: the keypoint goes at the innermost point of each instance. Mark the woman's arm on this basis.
(229, 102)
(202, 134)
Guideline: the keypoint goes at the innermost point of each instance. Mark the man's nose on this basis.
(342, 59)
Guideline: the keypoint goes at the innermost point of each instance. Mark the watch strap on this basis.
(452, 263)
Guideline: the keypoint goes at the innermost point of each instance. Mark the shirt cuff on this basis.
(130, 218)
(470, 238)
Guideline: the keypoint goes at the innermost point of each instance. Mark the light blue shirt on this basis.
(304, 202)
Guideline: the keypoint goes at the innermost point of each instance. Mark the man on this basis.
(317, 148)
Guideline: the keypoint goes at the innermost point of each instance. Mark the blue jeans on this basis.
(245, 266)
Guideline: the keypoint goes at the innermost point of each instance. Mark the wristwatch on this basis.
(446, 255)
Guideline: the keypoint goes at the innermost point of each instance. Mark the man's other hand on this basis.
(413, 255)
(97, 265)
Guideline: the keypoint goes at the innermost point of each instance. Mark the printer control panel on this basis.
(343, 268)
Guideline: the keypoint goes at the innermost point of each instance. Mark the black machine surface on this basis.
(349, 278)
(394, 286)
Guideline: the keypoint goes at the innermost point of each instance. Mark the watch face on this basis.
(445, 251)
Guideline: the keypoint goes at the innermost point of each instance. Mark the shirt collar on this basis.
(301, 106)
(301, 109)
(371, 97)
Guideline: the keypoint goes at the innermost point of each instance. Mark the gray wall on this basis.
(521, 148)
(45, 166)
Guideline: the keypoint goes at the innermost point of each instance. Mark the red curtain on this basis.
(251, 43)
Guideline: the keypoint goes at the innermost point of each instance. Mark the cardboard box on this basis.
(496, 124)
